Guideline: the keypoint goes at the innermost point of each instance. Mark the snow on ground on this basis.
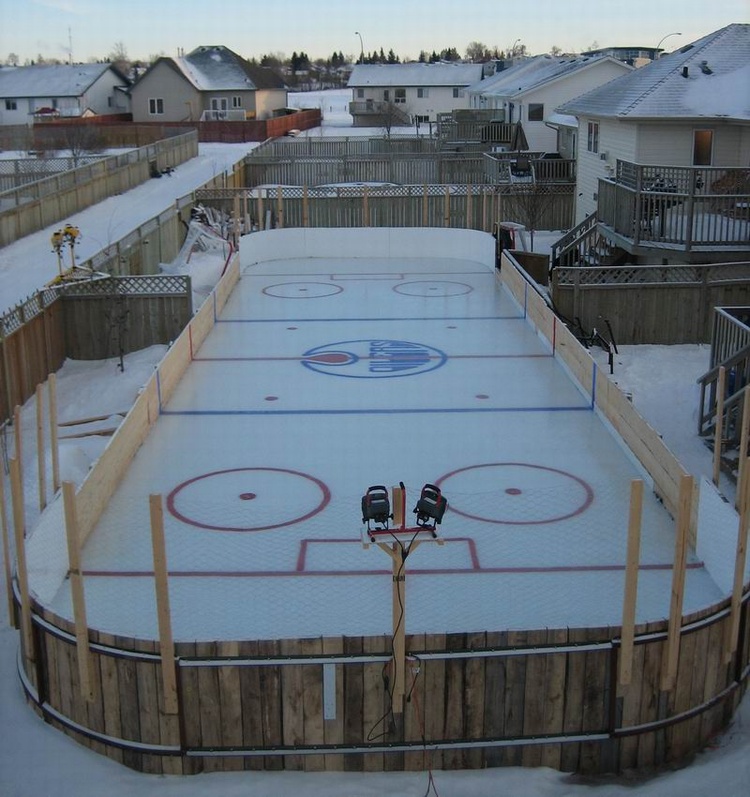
(38, 761)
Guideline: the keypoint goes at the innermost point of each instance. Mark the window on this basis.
(702, 146)
(457, 93)
(592, 144)
(423, 94)
(422, 119)
(11, 105)
(360, 94)
(536, 112)
(156, 106)
(386, 95)
(236, 101)
(400, 96)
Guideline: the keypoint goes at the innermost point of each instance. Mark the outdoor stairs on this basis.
(584, 245)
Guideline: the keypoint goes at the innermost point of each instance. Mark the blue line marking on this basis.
(403, 411)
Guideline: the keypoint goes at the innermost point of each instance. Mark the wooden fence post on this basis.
(733, 628)
(18, 448)
(447, 207)
(469, 199)
(631, 581)
(6, 555)
(76, 589)
(54, 443)
(365, 208)
(682, 528)
(744, 435)
(161, 579)
(305, 207)
(40, 456)
(719, 422)
(19, 528)
(280, 207)
(425, 206)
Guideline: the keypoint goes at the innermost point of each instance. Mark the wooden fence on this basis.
(36, 205)
(554, 697)
(90, 320)
(474, 207)
(651, 304)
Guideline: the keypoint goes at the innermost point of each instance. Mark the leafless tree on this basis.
(533, 200)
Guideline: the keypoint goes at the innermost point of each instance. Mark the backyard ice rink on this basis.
(323, 376)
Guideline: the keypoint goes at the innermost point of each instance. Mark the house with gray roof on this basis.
(664, 153)
(210, 83)
(530, 91)
(405, 94)
(61, 90)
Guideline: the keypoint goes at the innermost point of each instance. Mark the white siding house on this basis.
(210, 83)
(690, 108)
(66, 90)
(410, 93)
(530, 91)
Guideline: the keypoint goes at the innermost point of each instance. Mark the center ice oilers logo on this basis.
(373, 359)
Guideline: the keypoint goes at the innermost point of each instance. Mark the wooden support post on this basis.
(744, 440)
(18, 448)
(40, 455)
(73, 536)
(161, 583)
(447, 207)
(6, 554)
(398, 502)
(484, 210)
(280, 207)
(425, 206)
(719, 422)
(631, 581)
(305, 207)
(260, 210)
(468, 207)
(398, 569)
(682, 527)
(19, 528)
(54, 444)
(237, 226)
(365, 207)
(733, 628)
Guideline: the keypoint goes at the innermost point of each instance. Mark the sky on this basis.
(92, 28)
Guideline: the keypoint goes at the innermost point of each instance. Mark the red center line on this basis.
(430, 357)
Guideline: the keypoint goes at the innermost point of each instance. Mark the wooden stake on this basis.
(719, 422)
(161, 579)
(744, 439)
(76, 590)
(425, 206)
(54, 445)
(682, 527)
(305, 207)
(468, 207)
(19, 528)
(365, 208)
(40, 456)
(631, 581)
(17, 431)
(447, 207)
(733, 627)
(6, 555)
(261, 222)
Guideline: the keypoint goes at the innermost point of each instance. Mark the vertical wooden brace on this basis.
(631, 581)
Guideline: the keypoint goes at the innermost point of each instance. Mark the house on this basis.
(635, 56)
(664, 154)
(61, 90)
(209, 83)
(405, 94)
(530, 91)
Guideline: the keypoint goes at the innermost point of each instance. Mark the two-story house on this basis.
(208, 84)
(664, 154)
(530, 91)
(64, 90)
(405, 94)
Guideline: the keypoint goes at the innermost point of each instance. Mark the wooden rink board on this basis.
(532, 697)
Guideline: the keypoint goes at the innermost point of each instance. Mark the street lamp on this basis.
(658, 46)
(361, 47)
(513, 48)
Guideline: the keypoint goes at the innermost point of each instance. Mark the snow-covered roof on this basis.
(217, 68)
(51, 80)
(709, 78)
(537, 71)
(417, 74)
(562, 120)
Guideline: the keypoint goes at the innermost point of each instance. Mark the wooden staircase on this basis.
(584, 245)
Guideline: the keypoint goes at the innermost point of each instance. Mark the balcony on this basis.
(686, 209)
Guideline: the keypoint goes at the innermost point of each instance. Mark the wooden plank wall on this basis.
(657, 314)
(29, 355)
(523, 685)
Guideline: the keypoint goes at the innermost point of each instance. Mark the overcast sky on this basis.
(29, 28)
